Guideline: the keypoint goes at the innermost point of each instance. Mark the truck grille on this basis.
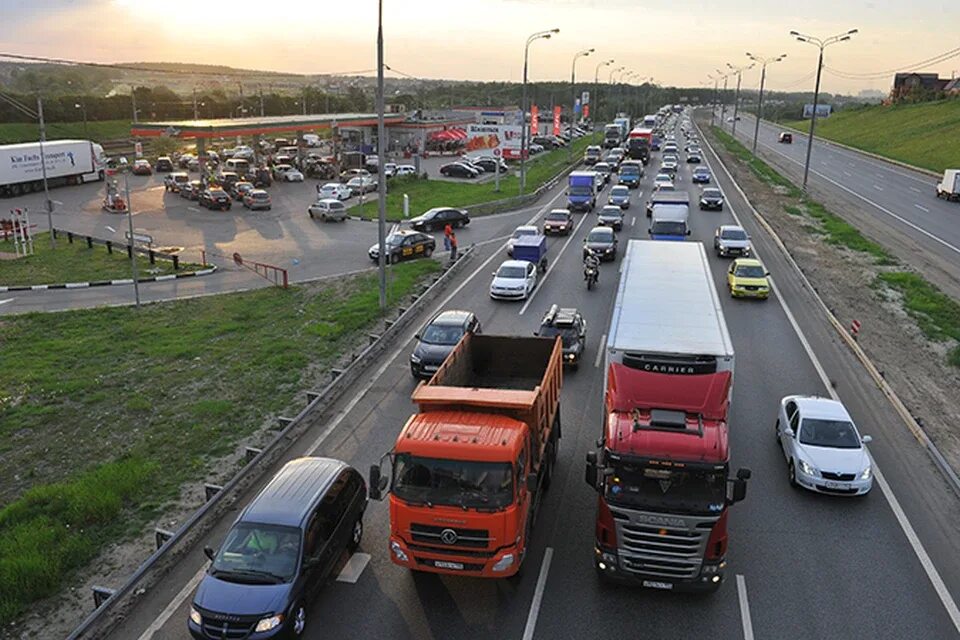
(450, 536)
(674, 550)
(843, 477)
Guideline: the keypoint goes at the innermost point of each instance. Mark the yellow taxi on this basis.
(747, 278)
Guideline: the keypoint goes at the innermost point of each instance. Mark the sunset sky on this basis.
(677, 42)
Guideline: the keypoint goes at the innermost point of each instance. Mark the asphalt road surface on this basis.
(800, 565)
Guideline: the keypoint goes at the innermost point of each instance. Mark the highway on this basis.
(800, 565)
(892, 201)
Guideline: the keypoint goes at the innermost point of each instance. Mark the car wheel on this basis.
(323, 217)
(299, 619)
(310, 213)
(428, 251)
(356, 535)
(792, 475)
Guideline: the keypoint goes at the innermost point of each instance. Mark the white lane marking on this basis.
(848, 174)
(871, 202)
(744, 608)
(603, 343)
(161, 620)
(922, 208)
(164, 616)
(353, 568)
(918, 549)
(556, 261)
(194, 209)
(633, 221)
(538, 595)
(7, 300)
(878, 188)
(915, 189)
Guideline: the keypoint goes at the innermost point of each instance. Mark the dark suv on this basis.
(572, 329)
(214, 198)
(284, 546)
(438, 338)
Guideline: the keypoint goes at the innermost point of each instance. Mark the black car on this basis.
(285, 545)
(436, 340)
(602, 241)
(439, 217)
(611, 215)
(570, 325)
(191, 190)
(457, 170)
(164, 164)
(215, 198)
(490, 164)
(548, 142)
(404, 245)
(239, 189)
(558, 221)
(711, 198)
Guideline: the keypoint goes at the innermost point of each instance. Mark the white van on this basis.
(669, 222)
(238, 165)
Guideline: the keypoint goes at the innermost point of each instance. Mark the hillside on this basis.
(923, 134)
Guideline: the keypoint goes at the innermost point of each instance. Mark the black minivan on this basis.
(280, 551)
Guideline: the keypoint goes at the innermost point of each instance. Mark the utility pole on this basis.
(43, 169)
(573, 98)
(133, 100)
(196, 115)
(381, 182)
(736, 99)
(523, 105)
(133, 253)
(723, 99)
(261, 101)
(596, 88)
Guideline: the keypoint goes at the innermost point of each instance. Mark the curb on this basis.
(107, 283)
(941, 463)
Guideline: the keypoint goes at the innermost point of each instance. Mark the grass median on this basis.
(426, 194)
(937, 314)
(105, 413)
(76, 263)
(97, 130)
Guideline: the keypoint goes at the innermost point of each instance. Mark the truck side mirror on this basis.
(739, 491)
(744, 474)
(649, 231)
(210, 553)
(590, 475)
(377, 483)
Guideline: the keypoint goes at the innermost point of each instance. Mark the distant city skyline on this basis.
(676, 45)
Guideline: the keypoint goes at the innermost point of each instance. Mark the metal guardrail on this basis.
(172, 545)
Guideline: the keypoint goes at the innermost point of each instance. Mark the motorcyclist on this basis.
(590, 261)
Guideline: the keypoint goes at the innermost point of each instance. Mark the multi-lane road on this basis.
(888, 200)
(800, 565)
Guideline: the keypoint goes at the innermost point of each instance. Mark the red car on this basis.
(785, 138)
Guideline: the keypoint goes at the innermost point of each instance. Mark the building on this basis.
(907, 83)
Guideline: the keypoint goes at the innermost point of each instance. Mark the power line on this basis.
(943, 57)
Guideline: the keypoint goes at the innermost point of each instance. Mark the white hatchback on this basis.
(514, 280)
(334, 190)
(823, 449)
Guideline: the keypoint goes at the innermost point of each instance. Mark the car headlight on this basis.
(268, 624)
(807, 468)
(414, 358)
(195, 616)
(398, 551)
(867, 473)
(504, 563)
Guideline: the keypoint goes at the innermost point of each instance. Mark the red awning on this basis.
(449, 134)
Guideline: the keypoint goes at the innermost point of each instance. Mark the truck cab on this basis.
(669, 222)
(582, 191)
(949, 186)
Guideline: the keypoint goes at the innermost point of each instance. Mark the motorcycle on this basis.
(591, 271)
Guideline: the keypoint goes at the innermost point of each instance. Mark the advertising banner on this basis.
(586, 111)
(556, 119)
(486, 139)
(576, 105)
(534, 120)
(585, 98)
(823, 110)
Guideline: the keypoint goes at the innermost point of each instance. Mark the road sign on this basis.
(142, 238)
(497, 152)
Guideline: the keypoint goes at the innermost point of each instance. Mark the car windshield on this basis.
(668, 228)
(466, 484)
(619, 191)
(260, 196)
(331, 187)
(568, 335)
(702, 172)
(750, 271)
(258, 553)
(511, 271)
(611, 211)
(666, 186)
(519, 233)
(581, 190)
(629, 170)
(394, 240)
(836, 434)
(733, 234)
(671, 490)
(335, 205)
(441, 334)
(662, 177)
(601, 166)
(600, 235)
(557, 217)
(711, 193)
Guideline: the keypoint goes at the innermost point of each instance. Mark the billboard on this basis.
(534, 120)
(483, 139)
(823, 110)
(556, 119)
(585, 98)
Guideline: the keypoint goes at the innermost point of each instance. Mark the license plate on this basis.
(441, 564)
(836, 485)
(657, 585)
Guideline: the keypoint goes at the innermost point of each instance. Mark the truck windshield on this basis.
(483, 485)
(580, 190)
(672, 490)
(668, 228)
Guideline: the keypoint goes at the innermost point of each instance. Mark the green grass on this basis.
(105, 413)
(761, 169)
(426, 194)
(75, 263)
(13, 132)
(937, 314)
(922, 134)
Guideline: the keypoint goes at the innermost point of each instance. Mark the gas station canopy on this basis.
(226, 127)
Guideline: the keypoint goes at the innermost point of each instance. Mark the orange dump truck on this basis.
(468, 471)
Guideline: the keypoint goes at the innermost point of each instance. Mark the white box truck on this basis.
(949, 187)
(67, 162)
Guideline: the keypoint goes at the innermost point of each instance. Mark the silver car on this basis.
(731, 240)
(620, 196)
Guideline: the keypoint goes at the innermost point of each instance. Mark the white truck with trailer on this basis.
(949, 187)
(67, 162)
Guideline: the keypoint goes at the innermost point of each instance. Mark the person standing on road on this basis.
(453, 246)
(447, 232)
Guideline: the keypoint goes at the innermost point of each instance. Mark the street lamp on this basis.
(545, 35)
(723, 96)
(596, 83)
(716, 89)
(763, 77)
(573, 90)
(736, 99)
(820, 44)
(82, 105)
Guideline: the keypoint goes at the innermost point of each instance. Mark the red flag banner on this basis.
(586, 111)
(557, 110)
(534, 120)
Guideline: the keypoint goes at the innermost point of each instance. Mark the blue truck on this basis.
(581, 191)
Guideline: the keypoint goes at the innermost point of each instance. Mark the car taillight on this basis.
(606, 527)
(717, 544)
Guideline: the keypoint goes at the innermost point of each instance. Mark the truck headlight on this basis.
(807, 468)
(504, 563)
(195, 616)
(268, 624)
(867, 473)
(398, 551)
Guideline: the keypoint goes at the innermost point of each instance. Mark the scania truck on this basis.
(469, 469)
(662, 471)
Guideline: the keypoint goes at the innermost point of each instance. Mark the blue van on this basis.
(581, 191)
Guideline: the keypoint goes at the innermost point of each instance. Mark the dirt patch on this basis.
(915, 366)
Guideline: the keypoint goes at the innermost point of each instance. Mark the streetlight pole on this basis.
(82, 105)
(381, 181)
(596, 83)
(763, 77)
(723, 97)
(820, 44)
(713, 107)
(133, 252)
(736, 100)
(43, 170)
(545, 35)
(573, 97)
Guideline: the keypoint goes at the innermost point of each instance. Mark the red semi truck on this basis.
(662, 472)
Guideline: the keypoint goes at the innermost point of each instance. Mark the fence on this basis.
(152, 254)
